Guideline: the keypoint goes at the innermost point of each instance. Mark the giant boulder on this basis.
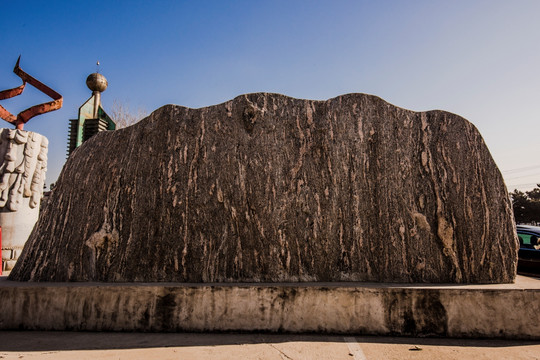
(268, 188)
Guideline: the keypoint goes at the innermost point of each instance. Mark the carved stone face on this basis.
(24, 162)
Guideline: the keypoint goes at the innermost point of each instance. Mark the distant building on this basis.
(92, 118)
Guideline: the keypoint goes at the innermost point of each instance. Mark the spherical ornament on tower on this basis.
(96, 82)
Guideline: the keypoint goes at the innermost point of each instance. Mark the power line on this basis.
(521, 186)
(529, 184)
(521, 169)
(522, 176)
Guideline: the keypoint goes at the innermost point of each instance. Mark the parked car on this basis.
(529, 249)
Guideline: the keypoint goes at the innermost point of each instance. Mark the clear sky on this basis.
(478, 59)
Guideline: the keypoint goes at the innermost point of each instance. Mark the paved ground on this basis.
(133, 346)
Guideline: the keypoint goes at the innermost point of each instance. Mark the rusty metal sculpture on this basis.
(23, 117)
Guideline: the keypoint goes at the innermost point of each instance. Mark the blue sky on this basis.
(478, 59)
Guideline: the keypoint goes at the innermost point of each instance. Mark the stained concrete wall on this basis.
(503, 311)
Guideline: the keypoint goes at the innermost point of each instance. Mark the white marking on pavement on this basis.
(355, 349)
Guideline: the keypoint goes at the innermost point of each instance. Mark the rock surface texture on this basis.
(267, 188)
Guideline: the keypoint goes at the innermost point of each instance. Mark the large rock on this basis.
(267, 188)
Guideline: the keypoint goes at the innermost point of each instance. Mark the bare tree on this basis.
(124, 116)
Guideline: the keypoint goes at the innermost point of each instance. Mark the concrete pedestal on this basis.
(16, 227)
(510, 311)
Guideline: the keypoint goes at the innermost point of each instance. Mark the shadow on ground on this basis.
(61, 340)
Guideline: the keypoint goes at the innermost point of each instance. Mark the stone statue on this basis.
(22, 176)
(23, 163)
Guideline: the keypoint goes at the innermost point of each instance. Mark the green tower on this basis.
(92, 118)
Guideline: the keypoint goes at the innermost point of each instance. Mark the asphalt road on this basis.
(133, 346)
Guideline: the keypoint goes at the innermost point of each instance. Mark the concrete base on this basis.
(16, 227)
(510, 311)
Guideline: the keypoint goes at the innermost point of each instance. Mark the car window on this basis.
(528, 241)
(524, 239)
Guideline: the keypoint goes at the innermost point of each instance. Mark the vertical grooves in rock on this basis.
(269, 188)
